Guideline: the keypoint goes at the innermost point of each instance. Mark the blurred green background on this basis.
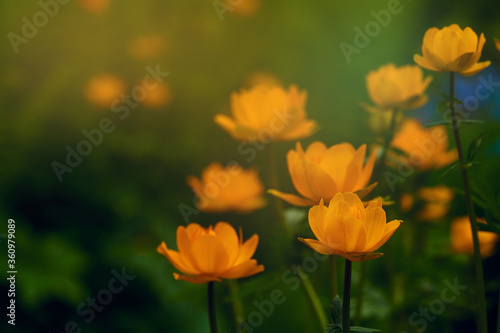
(123, 199)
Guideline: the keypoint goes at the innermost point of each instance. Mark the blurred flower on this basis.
(146, 47)
(212, 254)
(390, 87)
(158, 96)
(102, 90)
(497, 44)
(406, 202)
(262, 78)
(346, 228)
(452, 49)
(228, 189)
(268, 114)
(95, 6)
(380, 119)
(426, 148)
(320, 173)
(246, 7)
(461, 238)
(436, 202)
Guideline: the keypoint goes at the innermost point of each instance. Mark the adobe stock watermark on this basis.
(103, 297)
(31, 26)
(94, 137)
(428, 314)
(249, 149)
(292, 279)
(222, 6)
(426, 147)
(372, 29)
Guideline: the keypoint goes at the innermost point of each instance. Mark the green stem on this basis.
(361, 288)
(274, 183)
(478, 265)
(238, 309)
(387, 142)
(313, 297)
(334, 286)
(346, 298)
(212, 318)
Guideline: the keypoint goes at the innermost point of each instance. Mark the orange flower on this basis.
(320, 172)
(268, 114)
(147, 46)
(104, 89)
(426, 148)
(390, 87)
(461, 238)
(228, 189)
(406, 202)
(497, 44)
(212, 254)
(346, 228)
(95, 6)
(158, 97)
(246, 7)
(436, 202)
(452, 49)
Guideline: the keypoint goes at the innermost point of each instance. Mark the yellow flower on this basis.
(403, 88)
(158, 96)
(461, 238)
(320, 172)
(228, 189)
(346, 228)
(452, 49)
(267, 114)
(212, 254)
(436, 202)
(426, 148)
(104, 89)
(95, 6)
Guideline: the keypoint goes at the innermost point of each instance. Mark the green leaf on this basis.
(460, 121)
(363, 329)
(474, 146)
(452, 168)
(336, 310)
(442, 106)
(447, 98)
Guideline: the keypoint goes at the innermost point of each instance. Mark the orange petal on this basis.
(246, 268)
(292, 198)
(363, 257)
(209, 254)
(316, 246)
(316, 217)
(476, 68)
(424, 62)
(196, 278)
(227, 123)
(311, 181)
(247, 249)
(175, 258)
(226, 233)
(390, 228)
(365, 191)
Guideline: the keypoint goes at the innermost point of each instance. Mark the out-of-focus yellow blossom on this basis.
(95, 6)
(104, 89)
(436, 202)
(461, 238)
(158, 97)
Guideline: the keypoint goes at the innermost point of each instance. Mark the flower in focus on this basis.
(268, 114)
(102, 90)
(346, 228)
(158, 96)
(146, 47)
(436, 202)
(320, 173)
(452, 49)
(461, 238)
(95, 6)
(390, 87)
(228, 189)
(425, 148)
(212, 254)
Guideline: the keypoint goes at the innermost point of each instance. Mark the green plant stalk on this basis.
(212, 318)
(238, 309)
(478, 264)
(313, 297)
(332, 272)
(387, 142)
(346, 298)
(274, 183)
(361, 288)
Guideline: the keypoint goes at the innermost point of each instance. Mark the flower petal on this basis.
(209, 254)
(227, 235)
(476, 68)
(197, 278)
(246, 268)
(292, 198)
(316, 246)
(247, 249)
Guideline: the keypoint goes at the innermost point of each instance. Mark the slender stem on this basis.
(478, 265)
(274, 183)
(387, 142)
(346, 298)
(361, 288)
(334, 285)
(313, 297)
(212, 318)
(238, 309)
